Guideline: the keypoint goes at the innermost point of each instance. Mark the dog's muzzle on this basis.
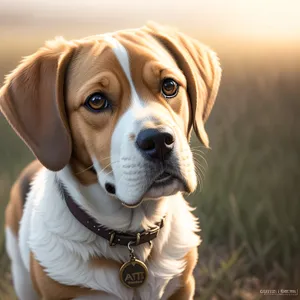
(159, 169)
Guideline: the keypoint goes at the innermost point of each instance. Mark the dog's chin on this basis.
(161, 189)
(164, 186)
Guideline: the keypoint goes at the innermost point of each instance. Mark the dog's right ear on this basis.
(201, 68)
(32, 100)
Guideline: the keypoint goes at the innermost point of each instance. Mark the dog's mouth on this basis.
(165, 184)
(163, 178)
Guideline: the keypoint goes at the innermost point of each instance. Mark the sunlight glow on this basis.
(256, 18)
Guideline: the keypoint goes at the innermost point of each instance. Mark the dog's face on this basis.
(124, 103)
(129, 111)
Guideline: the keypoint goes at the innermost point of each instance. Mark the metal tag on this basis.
(133, 273)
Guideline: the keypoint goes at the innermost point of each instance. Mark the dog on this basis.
(100, 214)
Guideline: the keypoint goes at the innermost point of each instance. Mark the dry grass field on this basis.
(249, 204)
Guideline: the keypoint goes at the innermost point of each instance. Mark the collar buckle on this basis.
(111, 239)
(138, 239)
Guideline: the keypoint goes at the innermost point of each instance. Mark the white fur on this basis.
(21, 278)
(122, 56)
(25, 230)
(63, 246)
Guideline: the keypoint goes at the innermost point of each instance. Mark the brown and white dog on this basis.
(109, 117)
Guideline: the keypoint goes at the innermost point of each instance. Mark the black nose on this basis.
(155, 143)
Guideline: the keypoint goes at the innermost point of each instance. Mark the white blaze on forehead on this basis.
(123, 58)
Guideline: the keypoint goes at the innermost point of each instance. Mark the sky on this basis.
(262, 19)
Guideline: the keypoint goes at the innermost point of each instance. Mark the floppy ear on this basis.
(202, 70)
(32, 100)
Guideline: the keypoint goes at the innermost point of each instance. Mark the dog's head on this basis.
(124, 103)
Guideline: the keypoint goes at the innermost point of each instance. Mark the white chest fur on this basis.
(64, 247)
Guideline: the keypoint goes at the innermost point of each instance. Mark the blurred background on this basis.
(249, 199)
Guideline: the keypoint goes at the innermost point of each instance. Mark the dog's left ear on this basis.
(32, 100)
(201, 67)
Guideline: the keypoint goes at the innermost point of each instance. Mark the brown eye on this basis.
(169, 88)
(97, 102)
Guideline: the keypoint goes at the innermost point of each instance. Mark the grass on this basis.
(249, 204)
(250, 201)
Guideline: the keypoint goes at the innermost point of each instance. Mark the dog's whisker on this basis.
(198, 152)
(202, 158)
(199, 172)
(199, 178)
(92, 166)
(109, 172)
(200, 146)
(107, 166)
(196, 149)
(105, 158)
(84, 170)
(199, 166)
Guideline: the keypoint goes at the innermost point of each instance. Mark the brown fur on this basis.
(32, 101)
(186, 292)
(202, 71)
(48, 289)
(14, 209)
(91, 132)
(149, 66)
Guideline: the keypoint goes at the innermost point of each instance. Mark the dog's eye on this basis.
(96, 102)
(169, 88)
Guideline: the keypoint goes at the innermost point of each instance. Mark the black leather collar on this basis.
(112, 236)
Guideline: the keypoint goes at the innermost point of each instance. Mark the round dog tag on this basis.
(133, 273)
